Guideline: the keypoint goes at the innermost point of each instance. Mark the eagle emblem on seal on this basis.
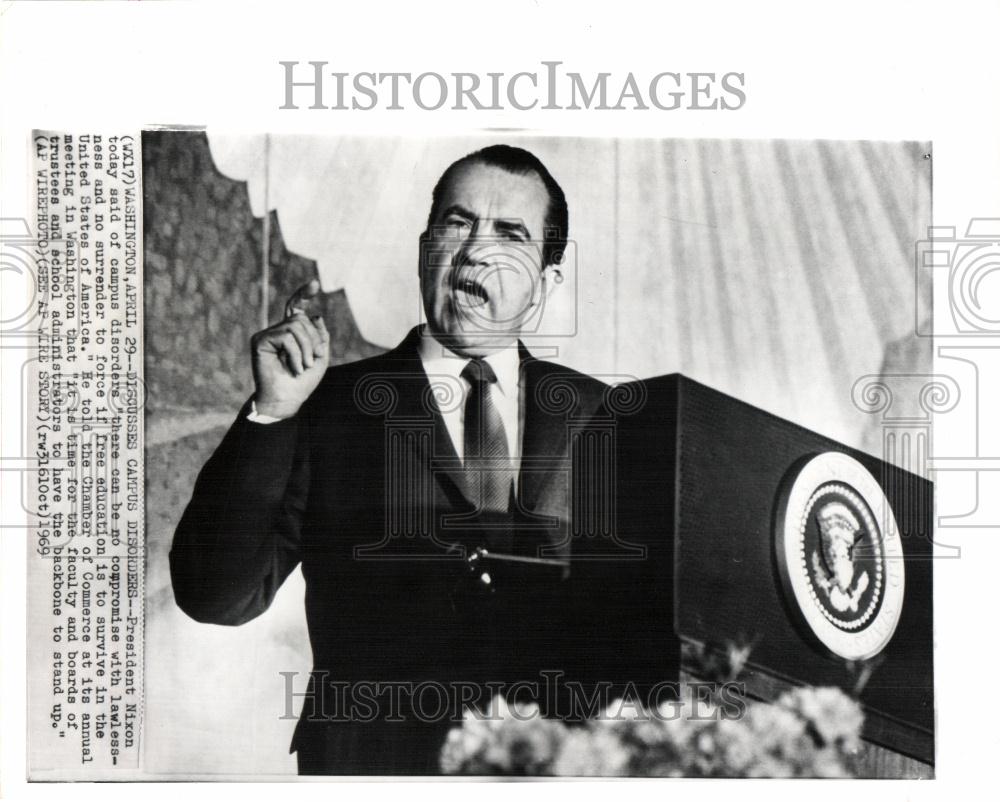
(834, 570)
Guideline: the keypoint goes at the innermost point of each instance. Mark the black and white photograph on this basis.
(484, 456)
(447, 399)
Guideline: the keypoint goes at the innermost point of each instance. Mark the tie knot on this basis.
(478, 372)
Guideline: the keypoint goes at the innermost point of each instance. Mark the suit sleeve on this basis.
(239, 537)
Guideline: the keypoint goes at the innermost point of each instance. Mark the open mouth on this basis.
(469, 292)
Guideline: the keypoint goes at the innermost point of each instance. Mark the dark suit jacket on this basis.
(363, 488)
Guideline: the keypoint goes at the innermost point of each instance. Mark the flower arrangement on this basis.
(807, 732)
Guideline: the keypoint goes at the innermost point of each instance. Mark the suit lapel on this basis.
(416, 403)
(545, 436)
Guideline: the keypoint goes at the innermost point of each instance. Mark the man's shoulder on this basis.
(543, 368)
(380, 363)
(363, 385)
(347, 377)
(557, 385)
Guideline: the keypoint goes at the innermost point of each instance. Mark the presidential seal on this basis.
(840, 556)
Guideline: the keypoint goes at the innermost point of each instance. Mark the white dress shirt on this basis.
(444, 372)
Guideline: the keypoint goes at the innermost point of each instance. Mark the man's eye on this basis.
(456, 221)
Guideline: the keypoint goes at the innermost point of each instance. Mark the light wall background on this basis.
(778, 272)
(775, 271)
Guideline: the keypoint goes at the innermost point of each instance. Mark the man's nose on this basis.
(475, 247)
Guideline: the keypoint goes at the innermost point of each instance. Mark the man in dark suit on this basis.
(426, 492)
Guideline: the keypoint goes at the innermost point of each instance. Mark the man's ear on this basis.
(552, 277)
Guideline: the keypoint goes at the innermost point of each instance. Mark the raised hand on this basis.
(290, 357)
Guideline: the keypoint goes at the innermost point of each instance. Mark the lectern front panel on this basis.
(849, 600)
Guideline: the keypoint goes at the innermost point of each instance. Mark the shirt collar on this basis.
(438, 360)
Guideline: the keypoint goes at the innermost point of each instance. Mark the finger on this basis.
(318, 335)
(303, 333)
(305, 292)
(292, 352)
(322, 335)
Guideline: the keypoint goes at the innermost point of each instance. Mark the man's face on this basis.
(481, 272)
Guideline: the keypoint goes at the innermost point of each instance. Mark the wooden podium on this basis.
(761, 532)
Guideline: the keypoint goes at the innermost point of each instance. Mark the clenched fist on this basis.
(290, 357)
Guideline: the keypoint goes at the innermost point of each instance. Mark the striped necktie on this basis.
(487, 456)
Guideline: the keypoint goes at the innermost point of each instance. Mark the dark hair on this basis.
(519, 162)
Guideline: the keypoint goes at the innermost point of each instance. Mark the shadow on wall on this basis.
(202, 296)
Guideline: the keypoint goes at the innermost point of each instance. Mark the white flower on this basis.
(507, 740)
(622, 710)
(737, 747)
(833, 716)
(591, 752)
(805, 734)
